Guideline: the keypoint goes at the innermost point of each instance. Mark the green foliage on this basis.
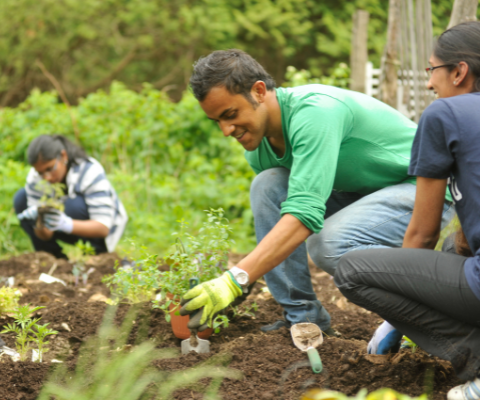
(339, 77)
(108, 369)
(78, 254)
(52, 194)
(24, 326)
(134, 283)
(8, 299)
(203, 256)
(12, 177)
(85, 45)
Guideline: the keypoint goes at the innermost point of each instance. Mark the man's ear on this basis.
(259, 91)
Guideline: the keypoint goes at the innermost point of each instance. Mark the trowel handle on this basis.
(315, 360)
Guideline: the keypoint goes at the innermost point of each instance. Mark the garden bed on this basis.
(272, 367)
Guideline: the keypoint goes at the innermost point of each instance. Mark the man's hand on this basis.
(29, 213)
(213, 296)
(55, 220)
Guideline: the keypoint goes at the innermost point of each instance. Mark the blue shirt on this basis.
(447, 145)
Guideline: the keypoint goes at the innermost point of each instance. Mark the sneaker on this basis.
(467, 391)
(276, 326)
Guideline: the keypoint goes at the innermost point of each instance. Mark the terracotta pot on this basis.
(179, 324)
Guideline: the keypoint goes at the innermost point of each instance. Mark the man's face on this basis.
(236, 116)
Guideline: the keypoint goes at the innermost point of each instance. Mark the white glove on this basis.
(385, 339)
(29, 213)
(55, 220)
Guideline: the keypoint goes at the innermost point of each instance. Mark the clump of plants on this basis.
(203, 256)
(8, 299)
(79, 254)
(28, 331)
(135, 282)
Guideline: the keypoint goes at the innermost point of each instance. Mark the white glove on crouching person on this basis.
(29, 213)
(56, 220)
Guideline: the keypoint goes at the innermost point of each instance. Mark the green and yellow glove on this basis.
(213, 296)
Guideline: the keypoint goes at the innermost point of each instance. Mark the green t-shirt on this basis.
(335, 139)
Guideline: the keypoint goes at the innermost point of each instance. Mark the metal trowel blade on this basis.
(201, 346)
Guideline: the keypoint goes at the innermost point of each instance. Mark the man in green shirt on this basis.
(332, 177)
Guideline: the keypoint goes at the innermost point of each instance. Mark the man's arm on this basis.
(424, 228)
(280, 242)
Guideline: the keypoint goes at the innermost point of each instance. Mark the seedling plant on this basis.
(27, 331)
(79, 254)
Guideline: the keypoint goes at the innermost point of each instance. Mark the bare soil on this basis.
(271, 366)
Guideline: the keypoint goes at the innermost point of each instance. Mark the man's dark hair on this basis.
(461, 43)
(234, 69)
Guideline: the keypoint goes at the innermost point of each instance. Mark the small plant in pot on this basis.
(194, 258)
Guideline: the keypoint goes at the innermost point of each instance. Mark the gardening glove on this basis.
(213, 296)
(385, 339)
(56, 220)
(29, 213)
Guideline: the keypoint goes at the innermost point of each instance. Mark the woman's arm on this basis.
(424, 228)
(88, 229)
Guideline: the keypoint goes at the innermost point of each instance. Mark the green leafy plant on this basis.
(136, 282)
(8, 299)
(52, 194)
(109, 368)
(79, 254)
(24, 327)
(203, 256)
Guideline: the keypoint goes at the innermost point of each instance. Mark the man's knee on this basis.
(270, 185)
(20, 201)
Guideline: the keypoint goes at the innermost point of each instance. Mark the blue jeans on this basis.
(75, 208)
(352, 222)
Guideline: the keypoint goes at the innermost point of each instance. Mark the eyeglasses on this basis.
(430, 69)
(49, 170)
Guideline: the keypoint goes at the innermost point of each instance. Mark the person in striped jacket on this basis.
(92, 210)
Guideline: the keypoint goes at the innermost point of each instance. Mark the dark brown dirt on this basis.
(272, 368)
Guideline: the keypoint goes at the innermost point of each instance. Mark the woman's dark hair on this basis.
(461, 43)
(49, 147)
(234, 69)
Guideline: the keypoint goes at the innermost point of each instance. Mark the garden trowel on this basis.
(307, 336)
(194, 343)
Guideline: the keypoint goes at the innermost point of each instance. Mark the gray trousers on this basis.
(422, 293)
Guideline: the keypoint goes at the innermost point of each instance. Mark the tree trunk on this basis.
(389, 84)
(463, 10)
(359, 52)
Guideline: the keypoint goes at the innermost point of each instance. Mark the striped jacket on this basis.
(87, 178)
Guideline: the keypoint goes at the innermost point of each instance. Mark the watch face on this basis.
(242, 278)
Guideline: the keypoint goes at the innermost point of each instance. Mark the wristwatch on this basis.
(241, 277)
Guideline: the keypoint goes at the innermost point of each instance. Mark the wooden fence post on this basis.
(463, 10)
(359, 51)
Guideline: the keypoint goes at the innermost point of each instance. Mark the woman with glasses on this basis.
(92, 210)
(434, 297)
